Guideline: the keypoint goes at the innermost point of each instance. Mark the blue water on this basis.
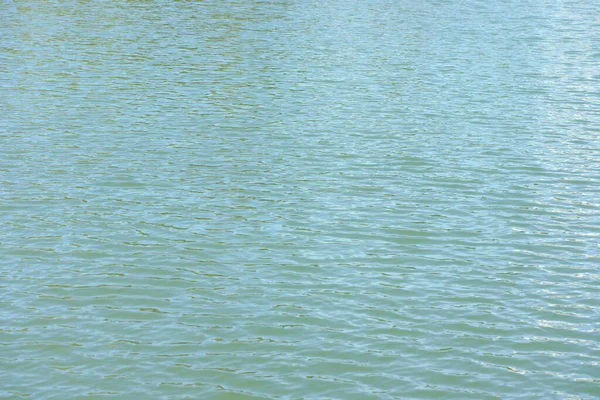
(300, 199)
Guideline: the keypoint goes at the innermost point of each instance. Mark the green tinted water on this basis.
(300, 199)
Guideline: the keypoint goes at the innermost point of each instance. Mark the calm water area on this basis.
(300, 199)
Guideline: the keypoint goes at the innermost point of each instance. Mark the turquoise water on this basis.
(300, 199)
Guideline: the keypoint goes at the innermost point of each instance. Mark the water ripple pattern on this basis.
(300, 199)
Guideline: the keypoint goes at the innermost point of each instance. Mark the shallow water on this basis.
(300, 199)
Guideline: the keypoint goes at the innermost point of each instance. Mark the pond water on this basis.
(300, 199)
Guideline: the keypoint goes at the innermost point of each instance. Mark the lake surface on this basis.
(300, 199)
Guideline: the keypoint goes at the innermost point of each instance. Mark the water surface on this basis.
(300, 199)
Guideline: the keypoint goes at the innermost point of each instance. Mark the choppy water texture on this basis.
(300, 199)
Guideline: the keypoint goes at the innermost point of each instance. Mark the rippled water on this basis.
(300, 199)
